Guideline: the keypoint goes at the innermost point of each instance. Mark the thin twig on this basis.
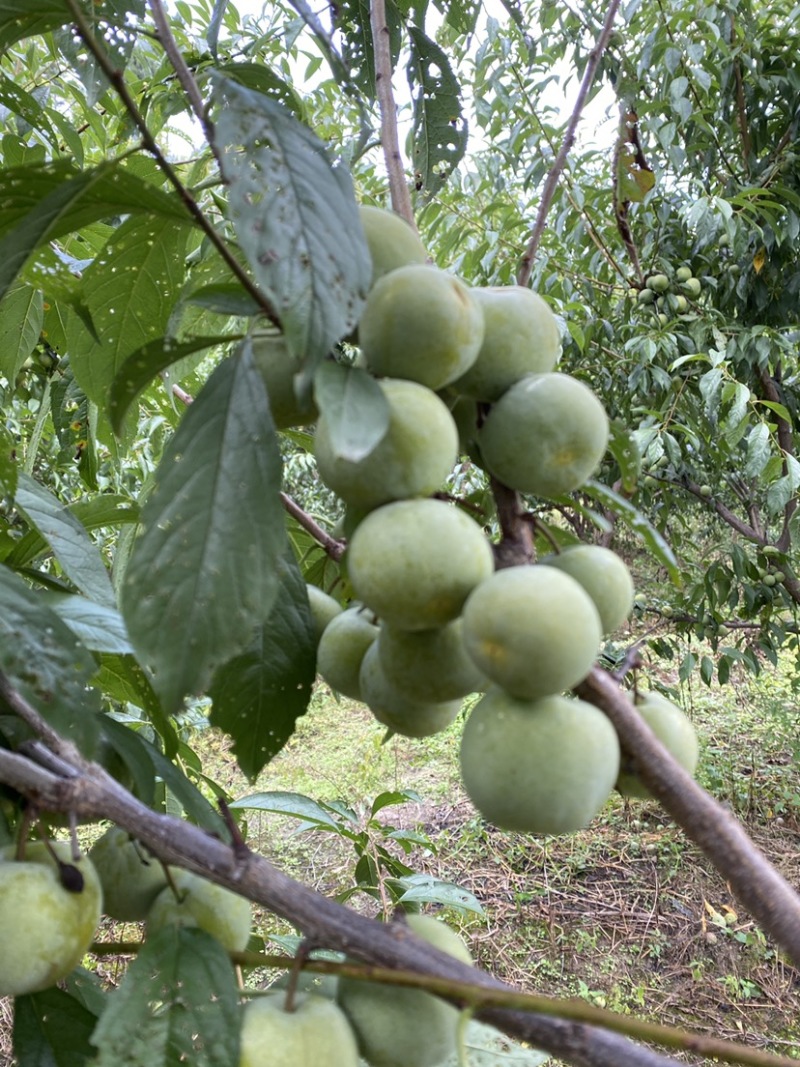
(335, 549)
(526, 266)
(381, 47)
(117, 80)
(185, 76)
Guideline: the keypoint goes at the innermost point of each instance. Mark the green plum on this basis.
(213, 908)
(48, 917)
(415, 562)
(279, 369)
(341, 650)
(675, 732)
(392, 708)
(324, 608)
(315, 1033)
(521, 337)
(413, 458)
(544, 767)
(392, 242)
(429, 665)
(399, 1027)
(422, 324)
(532, 630)
(605, 578)
(658, 283)
(546, 435)
(131, 876)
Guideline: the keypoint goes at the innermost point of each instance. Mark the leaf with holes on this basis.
(440, 129)
(296, 218)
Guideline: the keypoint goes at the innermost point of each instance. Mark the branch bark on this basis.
(390, 142)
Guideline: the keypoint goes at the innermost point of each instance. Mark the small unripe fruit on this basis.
(532, 630)
(646, 296)
(131, 876)
(683, 274)
(604, 577)
(429, 665)
(218, 911)
(692, 288)
(659, 283)
(314, 1033)
(279, 371)
(770, 580)
(323, 608)
(392, 242)
(544, 766)
(392, 708)
(399, 1027)
(673, 729)
(342, 648)
(421, 324)
(415, 562)
(706, 490)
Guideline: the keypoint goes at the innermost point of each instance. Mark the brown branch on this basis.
(117, 80)
(185, 76)
(335, 549)
(786, 444)
(763, 891)
(741, 109)
(526, 266)
(95, 795)
(390, 142)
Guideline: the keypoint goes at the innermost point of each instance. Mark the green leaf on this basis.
(46, 202)
(99, 627)
(296, 218)
(107, 509)
(178, 1003)
(21, 318)
(423, 888)
(52, 1029)
(224, 298)
(129, 291)
(122, 679)
(264, 80)
(758, 450)
(295, 805)
(9, 472)
(354, 406)
(45, 662)
(357, 49)
(204, 573)
(388, 799)
(439, 131)
(215, 24)
(77, 554)
(638, 523)
(146, 363)
(622, 446)
(259, 696)
(28, 18)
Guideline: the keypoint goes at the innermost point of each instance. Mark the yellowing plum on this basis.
(546, 435)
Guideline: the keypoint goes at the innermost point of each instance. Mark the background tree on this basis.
(142, 269)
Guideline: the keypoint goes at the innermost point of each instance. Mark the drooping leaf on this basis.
(77, 554)
(129, 291)
(46, 663)
(296, 218)
(259, 696)
(52, 1029)
(46, 202)
(9, 471)
(440, 130)
(656, 544)
(355, 408)
(426, 889)
(625, 451)
(21, 318)
(146, 363)
(204, 573)
(112, 25)
(178, 1003)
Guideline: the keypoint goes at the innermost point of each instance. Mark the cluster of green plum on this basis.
(669, 292)
(51, 905)
(434, 622)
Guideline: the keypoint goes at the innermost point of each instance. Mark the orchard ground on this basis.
(626, 914)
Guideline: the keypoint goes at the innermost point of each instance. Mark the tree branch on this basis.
(335, 549)
(390, 142)
(763, 891)
(117, 80)
(526, 266)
